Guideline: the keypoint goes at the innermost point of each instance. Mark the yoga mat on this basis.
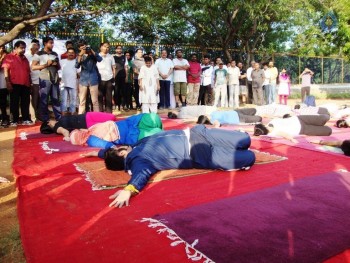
(306, 221)
(51, 147)
(101, 178)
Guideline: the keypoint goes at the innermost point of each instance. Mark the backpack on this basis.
(310, 101)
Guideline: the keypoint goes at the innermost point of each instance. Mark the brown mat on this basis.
(101, 178)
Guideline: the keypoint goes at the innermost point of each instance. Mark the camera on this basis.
(88, 48)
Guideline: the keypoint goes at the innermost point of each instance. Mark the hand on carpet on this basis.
(120, 198)
(67, 139)
(89, 154)
(315, 141)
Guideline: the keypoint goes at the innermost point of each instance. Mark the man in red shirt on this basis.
(193, 80)
(17, 75)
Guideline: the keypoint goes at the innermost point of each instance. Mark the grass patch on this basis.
(338, 96)
(11, 247)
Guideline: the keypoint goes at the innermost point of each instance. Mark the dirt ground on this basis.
(10, 243)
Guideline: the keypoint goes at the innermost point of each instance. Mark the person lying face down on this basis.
(127, 131)
(246, 115)
(198, 147)
(343, 145)
(289, 127)
(343, 123)
(68, 123)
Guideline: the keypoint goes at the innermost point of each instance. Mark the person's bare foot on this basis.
(216, 124)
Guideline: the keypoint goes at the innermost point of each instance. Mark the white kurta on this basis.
(149, 77)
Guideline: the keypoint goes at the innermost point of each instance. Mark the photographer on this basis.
(48, 63)
(89, 76)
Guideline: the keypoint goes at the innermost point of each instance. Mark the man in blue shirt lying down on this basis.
(198, 147)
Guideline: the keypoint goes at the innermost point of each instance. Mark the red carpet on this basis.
(62, 220)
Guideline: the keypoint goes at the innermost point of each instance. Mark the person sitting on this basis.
(343, 145)
(127, 131)
(68, 123)
(312, 125)
(197, 147)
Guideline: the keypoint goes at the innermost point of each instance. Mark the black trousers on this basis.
(201, 96)
(127, 95)
(20, 97)
(3, 104)
(247, 115)
(119, 97)
(136, 93)
(250, 92)
(105, 90)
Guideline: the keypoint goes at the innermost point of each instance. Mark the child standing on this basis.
(284, 87)
(149, 86)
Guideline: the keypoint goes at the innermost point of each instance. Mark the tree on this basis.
(22, 16)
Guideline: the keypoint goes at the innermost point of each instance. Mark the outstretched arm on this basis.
(328, 143)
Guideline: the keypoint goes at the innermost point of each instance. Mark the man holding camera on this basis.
(89, 76)
(48, 64)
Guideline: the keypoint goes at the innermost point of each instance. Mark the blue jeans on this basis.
(72, 94)
(267, 94)
(47, 88)
(164, 94)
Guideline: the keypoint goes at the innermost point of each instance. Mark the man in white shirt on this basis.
(233, 85)
(266, 85)
(34, 75)
(273, 80)
(69, 82)
(206, 93)
(107, 72)
(165, 68)
(181, 66)
(250, 81)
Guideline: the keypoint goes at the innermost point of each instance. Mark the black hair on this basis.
(345, 146)
(206, 56)
(113, 161)
(47, 39)
(172, 115)
(260, 129)
(164, 50)
(341, 124)
(45, 128)
(19, 43)
(203, 120)
(297, 107)
(138, 49)
(148, 59)
(34, 40)
(118, 46)
(178, 50)
(193, 54)
(285, 116)
(70, 48)
(102, 43)
(81, 43)
(69, 43)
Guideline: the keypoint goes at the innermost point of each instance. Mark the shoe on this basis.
(5, 123)
(27, 122)
(183, 104)
(13, 124)
(138, 108)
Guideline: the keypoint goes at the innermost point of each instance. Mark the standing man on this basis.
(266, 85)
(127, 93)
(305, 76)
(17, 76)
(69, 82)
(89, 76)
(69, 44)
(181, 66)
(249, 82)
(137, 63)
(119, 89)
(273, 81)
(5, 121)
(233, 85)
(193, 79)
(48, 64)
(34, 74)
(243, 91)
(258, 78)
(206, 93)
(220, 86)
(106, 68)
(165, 68)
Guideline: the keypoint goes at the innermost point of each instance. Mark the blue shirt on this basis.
(89, 75)
(225, 117)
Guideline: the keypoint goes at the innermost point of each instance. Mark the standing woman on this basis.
(5, 121)
(149, 86)
(284, 86)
